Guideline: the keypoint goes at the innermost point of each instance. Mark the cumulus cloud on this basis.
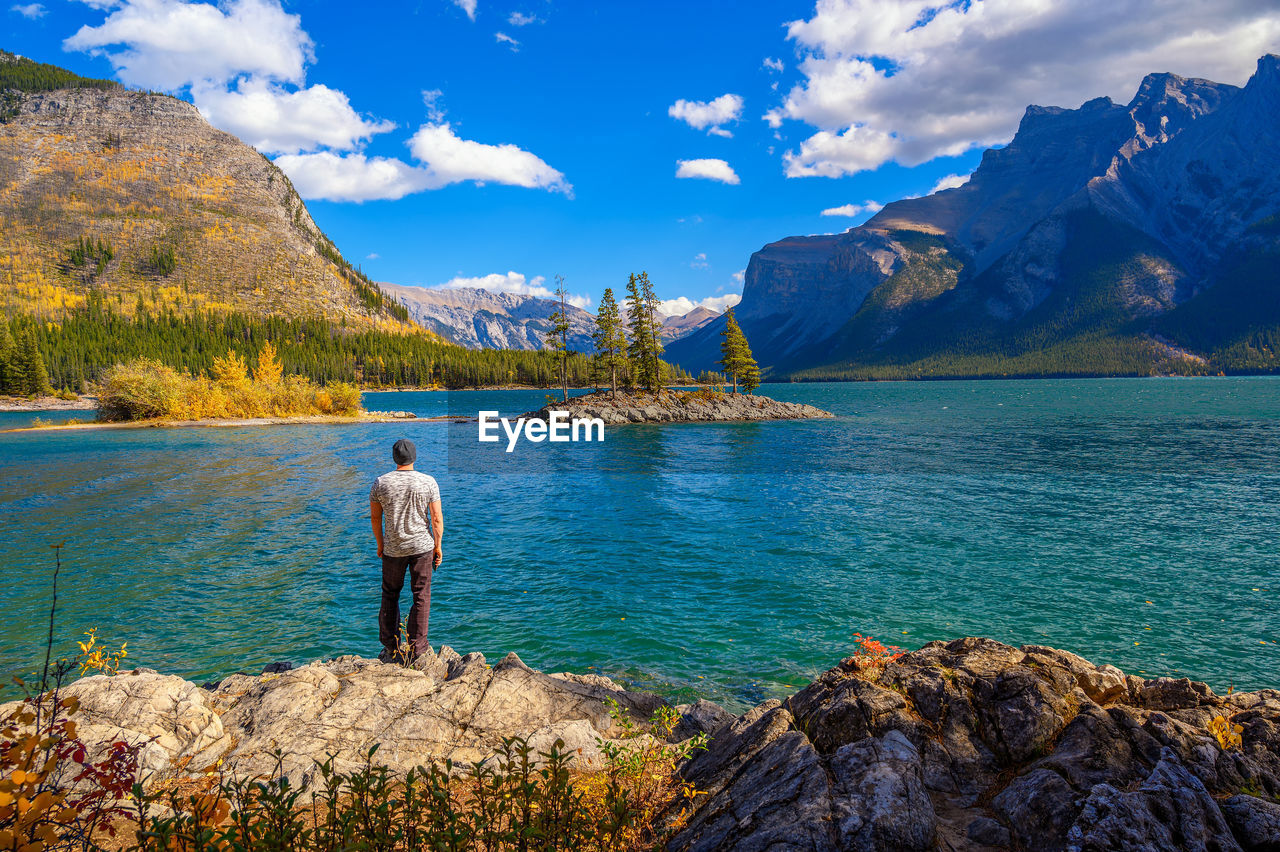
(707, 169)
(328, 176)
(520, 19)
(274, 120)
(701, 115)
(445, 159)
(853, 209)
(512, 282)
(468, 6)
(31, 11)
(740, 276)
(451, 159)
(680, 306)
(910, 80)
(245, 61)
(169, 44)
(771, 64)
(949, 182)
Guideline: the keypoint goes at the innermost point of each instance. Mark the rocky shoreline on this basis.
(675, 406)
(966, 745)
(322, 419)
(48, 403)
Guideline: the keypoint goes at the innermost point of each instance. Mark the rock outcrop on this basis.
(966, 745)
(678, 407)
(1132, 209)
(977, 745)
(444, 707)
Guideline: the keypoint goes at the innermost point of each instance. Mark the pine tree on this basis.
(735, 355)
(558, 339)
(8, 354)
(610, 338)
(646, 342)
(34, 377)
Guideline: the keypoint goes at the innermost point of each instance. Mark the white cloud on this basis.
(512, 282)
(740, 276)
(708, 169)
(373, 255)
(169, 44)
(468, 6)
(854, 209)
(771, 64)
(708, 114)
(678, 307)
(503, 38)
(431, 100)
(30, 11)
(910, 80)
(272, 119)
(101, 4)
(949, 182)
(451, 159)
(352, 177)
(445, 159)
(699, 261)
(520, 19)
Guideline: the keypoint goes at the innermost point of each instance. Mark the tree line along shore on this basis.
(163, 364)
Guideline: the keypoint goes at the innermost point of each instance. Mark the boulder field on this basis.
(964, 745)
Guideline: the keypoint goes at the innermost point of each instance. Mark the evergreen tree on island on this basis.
(610, 338)
(735, 355)
(558, 339)
(646, 340)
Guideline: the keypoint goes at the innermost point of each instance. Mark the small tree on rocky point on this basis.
(611, 338)
(735, 355)
(558, 339)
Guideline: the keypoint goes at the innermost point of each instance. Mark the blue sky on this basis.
(513, 140)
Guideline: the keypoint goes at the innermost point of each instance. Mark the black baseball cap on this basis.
(404, 452)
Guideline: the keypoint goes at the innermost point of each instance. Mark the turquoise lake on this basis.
(1136, 522)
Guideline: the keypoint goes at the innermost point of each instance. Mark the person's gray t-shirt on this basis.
(406, 497)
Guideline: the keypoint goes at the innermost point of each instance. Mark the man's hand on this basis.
(438, 558)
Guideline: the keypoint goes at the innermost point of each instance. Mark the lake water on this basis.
(1136, 522)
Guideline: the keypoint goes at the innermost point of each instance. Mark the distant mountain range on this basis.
(481, 319)
(1104, 240)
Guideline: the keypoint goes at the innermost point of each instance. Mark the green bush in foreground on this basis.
(145, 389)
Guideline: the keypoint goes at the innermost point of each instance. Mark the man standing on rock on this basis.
(404, 506)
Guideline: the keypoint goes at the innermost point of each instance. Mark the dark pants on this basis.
(393, 568)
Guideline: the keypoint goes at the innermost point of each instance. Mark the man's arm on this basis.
(375, 517)
(437, 530)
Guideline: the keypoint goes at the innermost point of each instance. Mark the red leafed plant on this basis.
(874, 654)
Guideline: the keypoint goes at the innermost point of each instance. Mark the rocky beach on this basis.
(964, 745)
(672, 406)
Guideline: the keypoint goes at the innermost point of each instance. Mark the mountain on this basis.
(674, 328)
(132, 198)
(1104, 240)
(480, 319)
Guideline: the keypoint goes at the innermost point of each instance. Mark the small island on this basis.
(678, 406)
